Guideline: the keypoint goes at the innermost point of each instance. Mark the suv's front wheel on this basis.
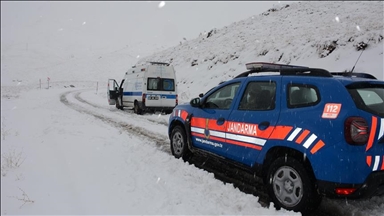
(179, 146)
(291, 187)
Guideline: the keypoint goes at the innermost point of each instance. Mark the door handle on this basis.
(264, 125)
(220, 121)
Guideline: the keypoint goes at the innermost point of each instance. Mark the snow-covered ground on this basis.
(64, 156)
(66, 151)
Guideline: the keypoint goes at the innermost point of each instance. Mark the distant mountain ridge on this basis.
(330, 35)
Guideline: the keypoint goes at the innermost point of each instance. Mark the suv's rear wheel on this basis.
(291, 187)
(179, 146)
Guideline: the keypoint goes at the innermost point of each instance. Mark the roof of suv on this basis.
(293, 70)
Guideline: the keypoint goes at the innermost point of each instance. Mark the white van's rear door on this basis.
(168, 96)
(153, 96)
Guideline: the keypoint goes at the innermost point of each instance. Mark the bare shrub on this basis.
(327, 48)
(361, 46)
(12, 160)
(25, 198)
(4, 132)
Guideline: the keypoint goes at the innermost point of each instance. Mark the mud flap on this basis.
(187, 126)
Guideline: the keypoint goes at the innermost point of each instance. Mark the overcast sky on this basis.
(119, 23)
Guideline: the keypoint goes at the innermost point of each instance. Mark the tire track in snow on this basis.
(199, 161)
(161, 142)
(79, 98)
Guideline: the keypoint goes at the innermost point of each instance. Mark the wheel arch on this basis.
(173, 124)
(282, 151)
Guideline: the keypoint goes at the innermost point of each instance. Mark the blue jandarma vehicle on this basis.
(306, 131)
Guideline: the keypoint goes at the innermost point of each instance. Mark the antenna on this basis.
(358, 58)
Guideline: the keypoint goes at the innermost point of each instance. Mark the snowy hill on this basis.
(317, 34)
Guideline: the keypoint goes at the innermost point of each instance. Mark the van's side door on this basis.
(133, 88)
(112, 91)
(254, 118)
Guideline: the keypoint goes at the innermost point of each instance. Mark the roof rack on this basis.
(349, 74)
(266, 65)
(159, 63)
(258, 67)
(152, 63)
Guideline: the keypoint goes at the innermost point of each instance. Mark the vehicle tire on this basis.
(168, 112)
(179, 146)
(291, 186)
(136, 109)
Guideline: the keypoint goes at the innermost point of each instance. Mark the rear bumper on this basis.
(373, 185)
(163, 109)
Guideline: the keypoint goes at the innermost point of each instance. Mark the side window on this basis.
(222, 98)
(302, 95)
(226, 92)
(258, 96)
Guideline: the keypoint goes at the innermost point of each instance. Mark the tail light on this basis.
(356, 131)
(345, 191)
(143, 98)
(177, 99)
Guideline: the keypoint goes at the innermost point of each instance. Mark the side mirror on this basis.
(201, 95)
(195, 102)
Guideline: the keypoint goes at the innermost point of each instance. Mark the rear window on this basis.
(168, 85)
(368, 97)
(160, 84)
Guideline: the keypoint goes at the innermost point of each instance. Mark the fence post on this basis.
(97, 86)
